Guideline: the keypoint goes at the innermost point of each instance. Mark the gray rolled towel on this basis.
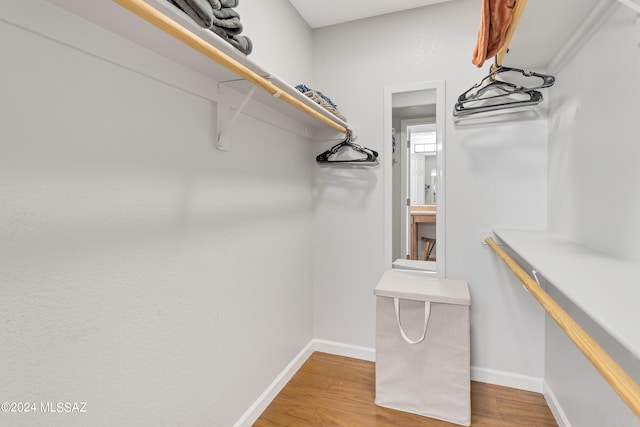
(219, 31)
(242, 43)
(231, 26)
(199, 10)
(226, 13)
(229, 3)
(215, 4)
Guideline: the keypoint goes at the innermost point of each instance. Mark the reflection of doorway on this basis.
(408, 105)
(422, 154)
(417, 164)
(422, 191)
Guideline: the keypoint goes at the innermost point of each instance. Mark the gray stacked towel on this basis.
(220, 17)
(226, 24)
(242, 43)
(201, 11)
(227, 19)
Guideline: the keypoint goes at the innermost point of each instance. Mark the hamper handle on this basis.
(427, 311)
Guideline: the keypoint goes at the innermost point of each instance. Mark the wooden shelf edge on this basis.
(621, 382)
(237, 63)
(218, 43)
(604, 288)
(113, 17)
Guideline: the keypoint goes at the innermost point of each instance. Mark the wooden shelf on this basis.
(605, 288)
(117, 19)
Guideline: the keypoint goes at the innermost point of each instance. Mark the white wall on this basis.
(163, 281)
(593, 199)
(496, 177)
(594, 149)
(282, 40)
(142, 271)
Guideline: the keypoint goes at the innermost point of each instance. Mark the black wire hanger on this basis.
(370, 156)
(501, 94)
(506, 86)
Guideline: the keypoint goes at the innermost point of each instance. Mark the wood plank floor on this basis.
(338, 391)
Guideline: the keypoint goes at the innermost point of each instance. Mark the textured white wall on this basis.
(152, 276)
(594, 199)
(142, 271)
(594, 151)
(496, 177)
(282, 39)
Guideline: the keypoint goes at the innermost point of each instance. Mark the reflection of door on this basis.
(430, 178)
(409, 105)
(417, 179)
(417, 157)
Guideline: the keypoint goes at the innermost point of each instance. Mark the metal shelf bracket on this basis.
(224, 142)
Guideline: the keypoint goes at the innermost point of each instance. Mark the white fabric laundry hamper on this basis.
(423, 346)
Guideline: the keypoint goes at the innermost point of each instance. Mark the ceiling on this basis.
(323, 13)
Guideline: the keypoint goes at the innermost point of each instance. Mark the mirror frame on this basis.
(389, 90)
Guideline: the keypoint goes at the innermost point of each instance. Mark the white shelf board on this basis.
(605, 288)
(116, 19)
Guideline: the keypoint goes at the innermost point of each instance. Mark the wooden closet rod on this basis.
(517, 13)
(176, 30)
(617, 378)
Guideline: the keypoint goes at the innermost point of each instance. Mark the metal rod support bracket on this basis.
(224, 142)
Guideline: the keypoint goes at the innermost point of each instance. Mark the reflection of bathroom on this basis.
(415, 188)
(423, 190)
(423, 164)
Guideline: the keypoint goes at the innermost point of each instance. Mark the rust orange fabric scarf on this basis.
(494, 20)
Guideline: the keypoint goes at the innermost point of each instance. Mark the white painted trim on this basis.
(591, 24)
(387, 182)
(555, 407)
(258, 407)
(331, 347)
(506, 379)
(346, 350)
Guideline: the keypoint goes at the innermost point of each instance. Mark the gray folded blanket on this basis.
(242, 43)
(201, 11)
(219, 31)
(227, 19)
(215, 4)
(226, 13)
(219, 17)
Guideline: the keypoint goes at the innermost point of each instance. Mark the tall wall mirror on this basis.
(414, 176)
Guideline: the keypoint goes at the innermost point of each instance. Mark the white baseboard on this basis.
(555, 407)
(339, 349)
(506, 379)
(258, 407)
